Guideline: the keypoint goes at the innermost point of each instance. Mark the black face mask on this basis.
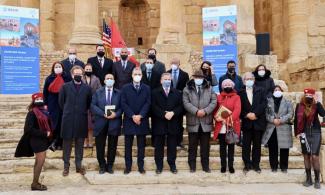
(77, 78)
(228, 89)
(205, 71)
(309, 100)
(101, 54)
(39, 104)
(231, 70)
(124, 57)
(152, 56)
(88, 73)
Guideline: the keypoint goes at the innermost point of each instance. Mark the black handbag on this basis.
(231, 136)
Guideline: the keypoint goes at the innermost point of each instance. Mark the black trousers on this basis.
(78, 150)
(274, 153)
(141, 142)
(111, 148)
(252, 136)
(194, 139)
(171, 150)
(224, 153)
(181, 132)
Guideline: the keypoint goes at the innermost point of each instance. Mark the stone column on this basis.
(86, 23)
(47, 11)
(298, 28)
(277, 35)
(171, 39)
(245, 26)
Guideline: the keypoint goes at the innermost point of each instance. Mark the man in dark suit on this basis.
(101, 64)
(74, 101)
(167, 108)
(136, 99)
(106, 126)
(179, 81)
(71, 61)
(253, 105)
(150, 77)
(158, 67)
(122, 70)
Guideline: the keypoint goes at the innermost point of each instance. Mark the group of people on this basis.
(104, 99)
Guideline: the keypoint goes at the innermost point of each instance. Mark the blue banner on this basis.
(220, 37)
(19, 50)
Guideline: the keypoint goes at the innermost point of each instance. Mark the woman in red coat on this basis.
(230, 100)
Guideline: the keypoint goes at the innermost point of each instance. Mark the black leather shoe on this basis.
(102, 170)
(158, 171)
(110, 170)
(207, 170)
(142, 171)
(284, 170)
(223, 169)
(274, 170)
(231, 170)
(192, 170)
(246, 169)
(258, 170)
(127, 171)
(174, 171)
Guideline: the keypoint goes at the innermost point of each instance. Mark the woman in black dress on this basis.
(308, 129)
(35, 140)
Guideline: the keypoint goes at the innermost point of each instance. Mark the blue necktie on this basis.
(108, 100)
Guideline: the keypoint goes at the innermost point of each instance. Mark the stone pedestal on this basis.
(47, 29)
(86, 23)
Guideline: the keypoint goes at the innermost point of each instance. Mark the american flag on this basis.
(107, 35)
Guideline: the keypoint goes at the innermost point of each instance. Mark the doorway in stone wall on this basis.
(135, 23)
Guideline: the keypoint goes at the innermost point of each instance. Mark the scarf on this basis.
(56, 85)
(42, 119)
(305, 115)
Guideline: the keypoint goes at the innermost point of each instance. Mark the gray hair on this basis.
(248, 74)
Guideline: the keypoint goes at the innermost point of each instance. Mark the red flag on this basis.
(118, 42)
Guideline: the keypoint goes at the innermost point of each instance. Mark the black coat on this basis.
(31, 130)
(67, 65)
(159, 67)
(154, 82)
(159, 105)
(182, 80)
(258, 107)
(122, 76)
(74, 104)
(52, 100)
(98, 70)
(266, 82)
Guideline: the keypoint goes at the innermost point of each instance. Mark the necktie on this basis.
(100, 61)
(166, 92)
(174, 79)
(149, 75)
(108, 100)
(123, 64)
(199, 91)
(137, 87)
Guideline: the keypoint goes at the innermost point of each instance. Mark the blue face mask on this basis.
(109, 82)
(166, 83)
(249, 83)
(149, 66)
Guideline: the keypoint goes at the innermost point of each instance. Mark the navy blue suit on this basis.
(67, 65)
(135, 103)
(106, 128)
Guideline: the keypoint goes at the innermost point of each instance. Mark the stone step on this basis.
(26, 165)
(15, 98)
(12, 123)
(134, 178)
(18, 114)
(8, 153)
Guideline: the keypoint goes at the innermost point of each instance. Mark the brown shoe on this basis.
(81, 170)
(38, 187)
(65, 172)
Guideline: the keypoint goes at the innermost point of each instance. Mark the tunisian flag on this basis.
(118, 42)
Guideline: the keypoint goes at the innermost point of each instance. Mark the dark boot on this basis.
(308, 181)
(317, 181)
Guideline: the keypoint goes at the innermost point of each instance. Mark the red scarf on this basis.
(56, 85)
(302, 118)
(42, 119)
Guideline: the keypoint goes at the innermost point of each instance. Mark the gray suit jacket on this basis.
(284, 131)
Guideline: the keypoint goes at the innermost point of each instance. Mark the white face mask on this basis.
(149, 66)
(249, 83)
(261, 73)
(58, 70)
(72, 57)
(198, 81)
(174, 67)
(137, 78)
(277, 94)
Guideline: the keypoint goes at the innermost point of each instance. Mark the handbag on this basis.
(231, 137)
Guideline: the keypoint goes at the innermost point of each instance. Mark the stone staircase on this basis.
(12, 115)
